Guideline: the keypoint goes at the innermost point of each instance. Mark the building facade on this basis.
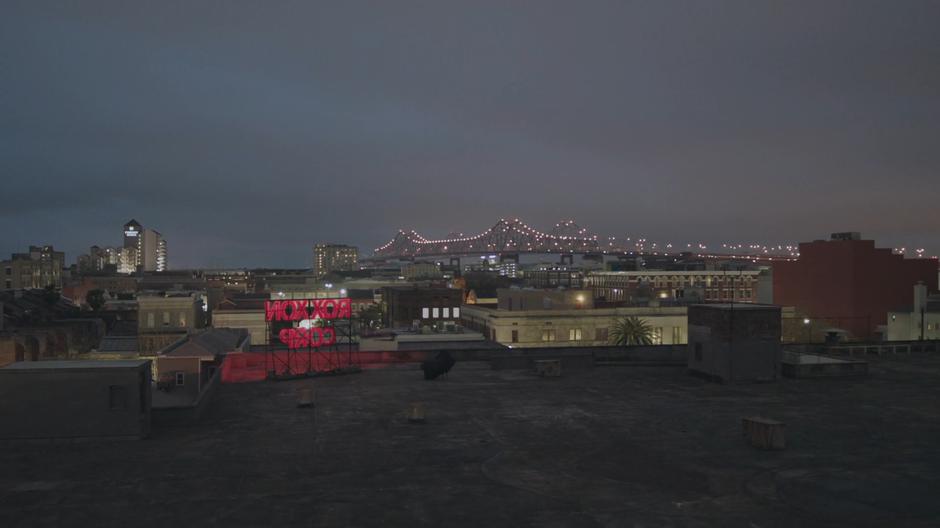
(920, 321)
(41, 267)
(421, 270)
(187, 366)
(100, 259)
(244, 311)
(334, 257)
(429, 306)
(521, 299)
(850, 284)
(75, 399)
(554, 278)
(165, 318)
(735, 343)
(566, 319)
(696, 286)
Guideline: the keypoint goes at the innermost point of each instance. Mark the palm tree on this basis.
(95, 299)
(631, 330)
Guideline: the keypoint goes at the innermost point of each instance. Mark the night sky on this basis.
(247, 131)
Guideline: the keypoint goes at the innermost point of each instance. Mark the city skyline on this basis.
(739, 121)
(564, 229)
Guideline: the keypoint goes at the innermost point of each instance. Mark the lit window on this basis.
(456, 313)
(574, 334)
(436, 313)
(446, 313)
(425, 313)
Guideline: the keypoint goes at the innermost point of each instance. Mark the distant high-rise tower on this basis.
(334, 257)
(132, 231)
(149, 246)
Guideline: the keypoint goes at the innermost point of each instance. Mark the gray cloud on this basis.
(246, 132)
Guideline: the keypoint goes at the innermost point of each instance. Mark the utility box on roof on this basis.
(75, 399)
(735, 343)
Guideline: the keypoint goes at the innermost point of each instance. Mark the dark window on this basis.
(180, 378)
(600, 334)
(515, 336)
(117, 397)
(698, 351)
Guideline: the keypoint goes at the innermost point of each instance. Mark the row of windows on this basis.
(440, 313)
(602, 334)
(181, 319)
(726, 294)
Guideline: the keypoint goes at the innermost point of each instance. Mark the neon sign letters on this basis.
(307, 337)
(304, 310)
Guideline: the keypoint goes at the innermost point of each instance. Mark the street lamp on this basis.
(806, 322)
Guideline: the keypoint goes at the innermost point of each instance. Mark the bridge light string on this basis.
(516, 229)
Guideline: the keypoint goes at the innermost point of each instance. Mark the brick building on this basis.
(405, 305)
(849, 283)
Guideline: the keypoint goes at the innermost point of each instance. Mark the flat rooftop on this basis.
(78, 364)
(610, 446)
(738, 306)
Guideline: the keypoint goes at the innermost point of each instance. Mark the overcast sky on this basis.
(247, 131)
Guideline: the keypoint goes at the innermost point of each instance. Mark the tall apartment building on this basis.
(334, 257)
(150, 246)
(39, 268)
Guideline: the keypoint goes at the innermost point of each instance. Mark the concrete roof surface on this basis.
(75, 364)
(610, 446)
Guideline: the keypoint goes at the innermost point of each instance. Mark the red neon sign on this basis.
(303, 310)
(307, 337)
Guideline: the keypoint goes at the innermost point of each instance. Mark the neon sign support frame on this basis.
(310, 337)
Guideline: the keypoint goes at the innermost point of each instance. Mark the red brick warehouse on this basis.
(850, 282)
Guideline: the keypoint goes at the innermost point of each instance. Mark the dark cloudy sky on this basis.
(247, 131)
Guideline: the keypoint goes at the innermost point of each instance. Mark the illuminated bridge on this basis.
(515, 237)
(507, 236)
